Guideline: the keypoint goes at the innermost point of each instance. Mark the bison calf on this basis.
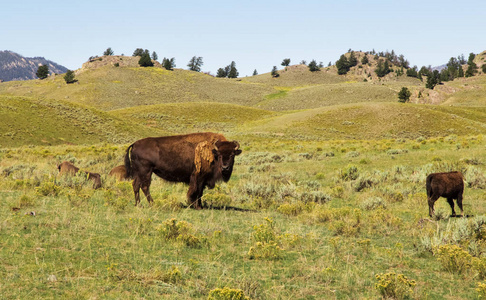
(68, 168)
(120, 173)
(448, 185)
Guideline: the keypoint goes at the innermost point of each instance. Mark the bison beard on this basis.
(198, 159)
(448, 185)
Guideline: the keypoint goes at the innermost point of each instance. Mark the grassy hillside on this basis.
(25, 121)
(189, 117)
(299, 103)
(108, 88)
(330, 94)
(376, 121)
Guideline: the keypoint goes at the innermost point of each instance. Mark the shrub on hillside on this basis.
(350, 173)
(373, 203)
(454, 259)
(227, 293)
(182, 231)
(266, 242)
(69, 77)
(394, 286)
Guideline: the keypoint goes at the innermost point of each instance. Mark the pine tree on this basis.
(404, 95)
(233, 72)
(353, 61)
(412, 72)
(286, 62)
(433, 79)
(69, 77)
(42, 72)
(460, 72)
(255, 72)
(155, 56)
(342, 65)
(138, 52)
(145, 60)
(108, 52)
(313, 67)
(168, 64)
(364, 60)
(383, 68)
(275, 72)
(221, 73)
(195, 64)
(472, 68)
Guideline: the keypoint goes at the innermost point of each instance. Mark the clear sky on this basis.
(255, 34)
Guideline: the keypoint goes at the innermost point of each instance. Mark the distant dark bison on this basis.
(198, 159)
(67, 168)
(119, 172)
(448, 185)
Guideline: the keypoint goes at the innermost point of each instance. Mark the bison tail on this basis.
(128, 162)
(428, 185)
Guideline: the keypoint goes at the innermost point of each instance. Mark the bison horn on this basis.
(215, 146)
(237, 145)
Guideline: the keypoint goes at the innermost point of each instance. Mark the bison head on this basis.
(224, 153)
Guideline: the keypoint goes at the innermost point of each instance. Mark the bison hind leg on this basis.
(431, 200)
(136, 189)
(451, 203)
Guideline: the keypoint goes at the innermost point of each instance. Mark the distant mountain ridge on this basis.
(14, 66)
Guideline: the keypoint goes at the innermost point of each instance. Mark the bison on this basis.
(197, 159)
(67, 168)
(120, 172)
(448, 185)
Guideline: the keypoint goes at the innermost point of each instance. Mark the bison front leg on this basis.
(459, 203)
(194, 193)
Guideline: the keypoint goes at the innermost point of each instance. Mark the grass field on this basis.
(324, 219)
(327, 200)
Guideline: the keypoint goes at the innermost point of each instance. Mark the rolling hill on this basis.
(116, 103)
(29, 121)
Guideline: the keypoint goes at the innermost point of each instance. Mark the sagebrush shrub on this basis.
(291, 209)
(481, 290)
(373, 203)
(267, 242)
(454, 259)
(48, 188)
(181, 231)
(227, 293)
(394, 286)
(350, 173)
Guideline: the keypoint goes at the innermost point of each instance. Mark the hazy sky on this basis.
(255, 34)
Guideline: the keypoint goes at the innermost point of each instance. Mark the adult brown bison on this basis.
(67, 168)
(198, 159)
(448, 185)
(120, 172)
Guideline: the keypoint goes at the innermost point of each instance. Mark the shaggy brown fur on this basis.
(120, 173)
(198, 159)
(67, 168)
(448, 185)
